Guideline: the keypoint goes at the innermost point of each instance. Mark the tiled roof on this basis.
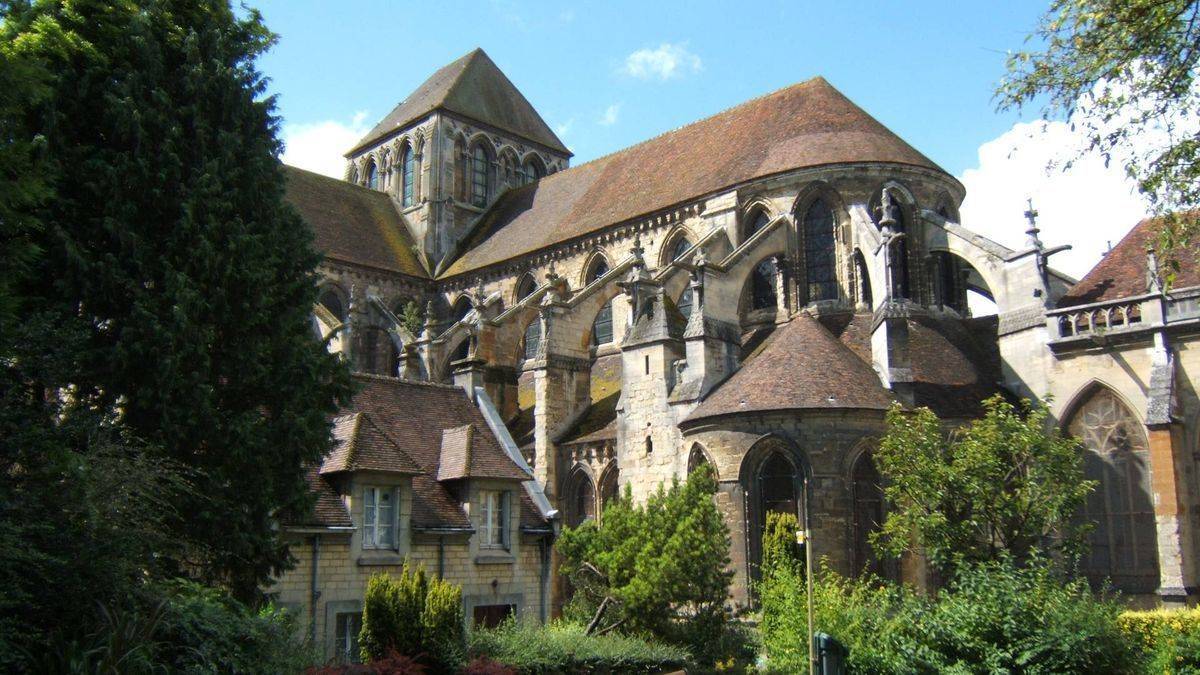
(416, 414)
(801, 366)
(1122, 272)
(329, 510)
(805, 125)
(360, 445)
(955, 364)
(475, 88)
(352, 223)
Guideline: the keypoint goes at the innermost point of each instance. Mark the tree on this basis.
(1125, 72)
(169, 259)
(647, 565)
(1001, 485)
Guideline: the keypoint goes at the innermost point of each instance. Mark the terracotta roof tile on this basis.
(352, 223)
(475, 88)
(955, 364)
(329, 510)
(360, 445)
(804, 125)
(801, 366)
(1122, 272)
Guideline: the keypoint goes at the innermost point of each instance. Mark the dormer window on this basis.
(379, 518)
(494, 521)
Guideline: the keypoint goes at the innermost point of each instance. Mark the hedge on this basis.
(1168, 641)
(561, 648)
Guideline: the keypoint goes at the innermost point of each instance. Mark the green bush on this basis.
(562, 648)
(993, 617)
(442, 624)
(779, 541)
(203, 630)
(392, 614)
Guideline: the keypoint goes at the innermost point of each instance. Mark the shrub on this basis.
(779, 541)
(994, 617)
(1167, 641)
(442, 624)
(561, 648)
(204, 630)
(392, 611)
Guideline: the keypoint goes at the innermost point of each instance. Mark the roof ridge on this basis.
(405, 381)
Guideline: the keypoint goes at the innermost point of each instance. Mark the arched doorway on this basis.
(773, 481)
(1123, 544)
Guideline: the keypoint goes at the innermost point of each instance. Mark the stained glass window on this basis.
(820, 254)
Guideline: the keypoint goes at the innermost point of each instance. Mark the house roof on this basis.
(360, 445)
(328, 510)
(805, 125)
(1122, 272)
(352, 223)
(475, 88)
(417, 415)
(801, 366)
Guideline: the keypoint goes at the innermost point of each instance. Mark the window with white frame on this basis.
(379, 517)
(495, 517)
(345, 641)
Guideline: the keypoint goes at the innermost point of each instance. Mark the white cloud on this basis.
(666, 62)
(610, 116)
(319, 146)
(1086, 204)
(562, 130)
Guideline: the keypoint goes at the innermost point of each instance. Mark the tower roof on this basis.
(475, 88)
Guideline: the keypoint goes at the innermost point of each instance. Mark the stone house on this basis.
(752, 291)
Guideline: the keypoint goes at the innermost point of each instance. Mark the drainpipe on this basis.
(441, 557)
(544, 551)
(314, 591)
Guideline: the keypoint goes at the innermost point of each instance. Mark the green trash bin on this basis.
(831, 655)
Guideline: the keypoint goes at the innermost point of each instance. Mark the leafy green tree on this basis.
(1001, 485)
(177, 281)
(1129, 68)
(649, 565)
(442, 625)
(779, 545)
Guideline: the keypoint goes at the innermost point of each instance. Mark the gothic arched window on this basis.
(685, 302)
(481, 185)
(582, 505)
(407, 178)
(526, 287)
(596, 269)
(533, 338)
(756, 221)
(899, 255)
(461, 307)
(696, 458)
(1123, 541)
(777, 485)
(377, 354)
(680, 247)
(534, 169)
(864, 279)
(948, 288)
(332, 301)
(609, 487)
(372, 175)
(820, 255)
(602, 327)
(762, 285)
(867, 488)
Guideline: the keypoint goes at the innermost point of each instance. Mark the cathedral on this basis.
(751, 291)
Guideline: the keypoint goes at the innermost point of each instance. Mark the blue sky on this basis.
(607, 75)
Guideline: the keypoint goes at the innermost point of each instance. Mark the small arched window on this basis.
(534, 169)
(602, 327)
(758, 220)
(864, 279)
(685, 302)
(408, 177)
(819, 252)
(526, 287)
(372, 175)
(583, 501)
(696, 458)
(533, 339)
(777, 485)
(899, 254)
(762, 286)
(596, 269)
(649, 445)
(332, 301)
(681, 246)
(480, 176)
(609, 486)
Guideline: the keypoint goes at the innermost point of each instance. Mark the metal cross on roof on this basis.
(1031, 215)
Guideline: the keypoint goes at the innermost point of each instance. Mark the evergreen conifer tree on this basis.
(169, 255)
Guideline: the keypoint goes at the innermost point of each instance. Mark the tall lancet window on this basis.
(480, 178)
(820, 256)
(372, 175)
(408, 169)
